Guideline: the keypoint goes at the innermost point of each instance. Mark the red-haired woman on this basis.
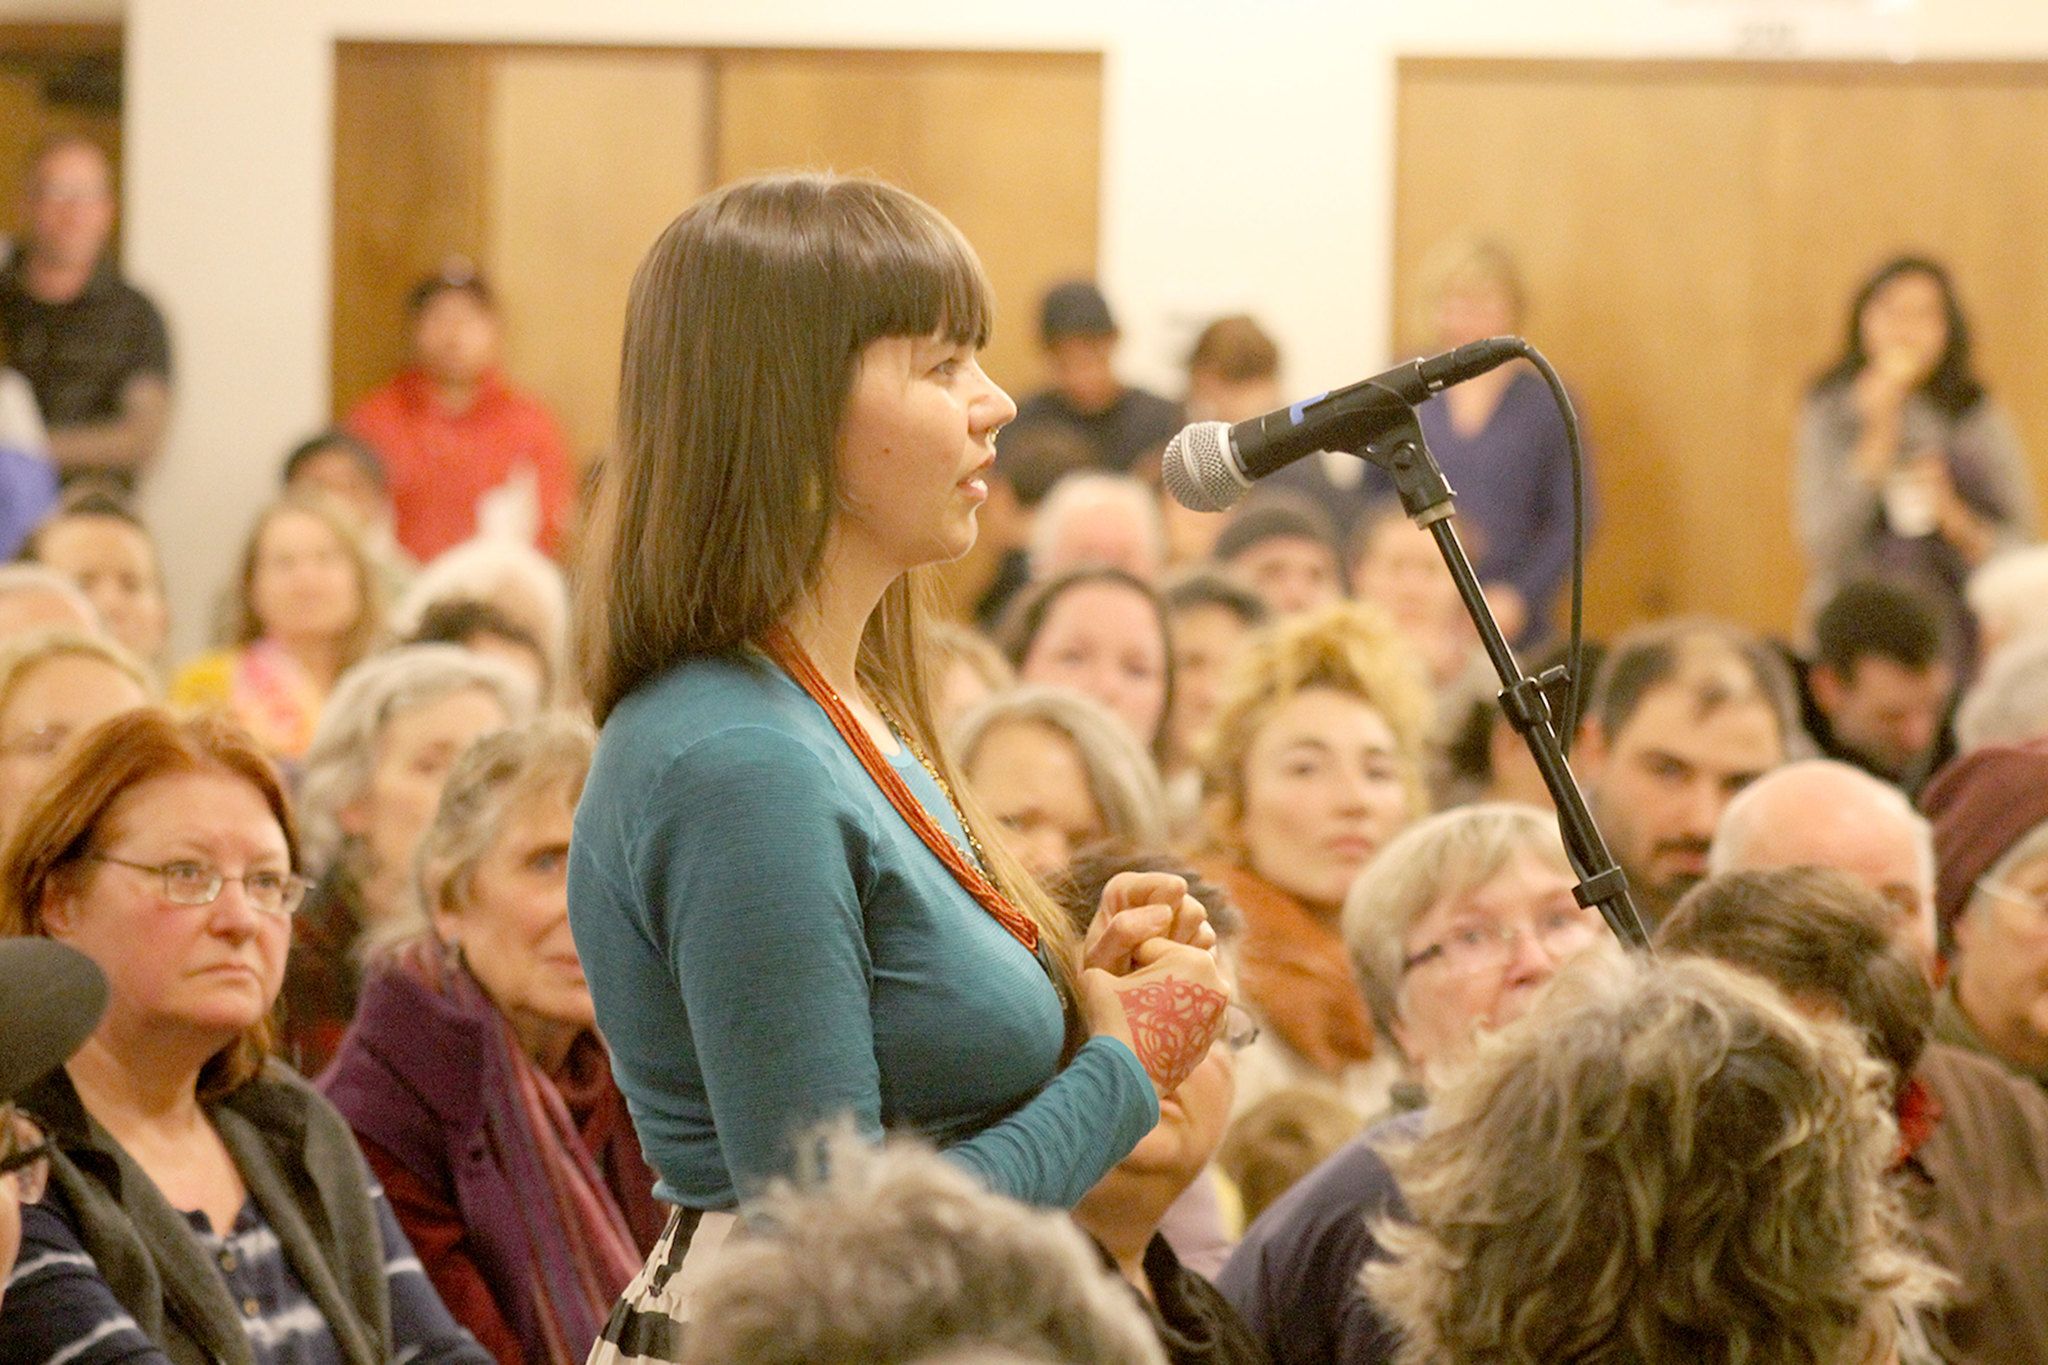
(203, 1203)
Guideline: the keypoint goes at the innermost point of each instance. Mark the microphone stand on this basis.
(1427, 498)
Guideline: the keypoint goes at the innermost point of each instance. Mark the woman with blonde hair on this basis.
(779, 887)
(307, 607)
(54, 686)
(1312, 761)
(205, 1203)
(474, 1077)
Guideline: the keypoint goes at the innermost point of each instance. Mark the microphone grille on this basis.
(1198, 468)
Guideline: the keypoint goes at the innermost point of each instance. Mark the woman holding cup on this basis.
(1907, 467)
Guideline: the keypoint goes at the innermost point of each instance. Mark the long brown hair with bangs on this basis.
(62, 826)
(744, 330)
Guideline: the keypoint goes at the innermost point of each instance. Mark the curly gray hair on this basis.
(1659, 1163)
(894, 1254)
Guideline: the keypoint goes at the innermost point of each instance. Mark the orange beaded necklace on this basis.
(782, 647)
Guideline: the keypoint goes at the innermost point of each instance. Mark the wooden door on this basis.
(1692, 233)
(1006, 144)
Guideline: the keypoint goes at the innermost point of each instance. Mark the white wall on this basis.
(1247, 163)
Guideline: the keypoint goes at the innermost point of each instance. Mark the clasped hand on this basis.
(1149, 975)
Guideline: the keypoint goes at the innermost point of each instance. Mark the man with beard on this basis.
(1684, 714)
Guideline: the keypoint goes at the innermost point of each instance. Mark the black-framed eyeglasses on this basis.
(193, 883)
(24, 1154)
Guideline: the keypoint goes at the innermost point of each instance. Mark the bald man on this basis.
(1975, 1174)
(1820, 813)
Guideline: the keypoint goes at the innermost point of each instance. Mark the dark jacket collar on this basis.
(301, 1168)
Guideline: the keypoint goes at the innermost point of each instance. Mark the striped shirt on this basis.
(59, 1311)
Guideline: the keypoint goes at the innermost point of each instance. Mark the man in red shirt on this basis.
(467, 453)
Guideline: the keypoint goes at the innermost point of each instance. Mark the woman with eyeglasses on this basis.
(55, 684)
(203, 1203)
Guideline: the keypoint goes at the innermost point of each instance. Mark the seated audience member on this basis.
(1210, 617)
(35, 598)
(1663, 1164)
(203, 1203)
(100, 545)
(54, 686)
(1233, 375)
(2008, 702)
(1683, 715)
(474, 1036)
(1487, 759)
(1142, 1213)
(966, 669)
(483, 630)
(1269, 1147)
(1104, 634)
(1284, 549)
(1057, 772)
(465, 453)
(1394, 564)
(1120, 422)
(517, 579)
(1452, 929)
(1878, 686)
(1312, 763)
(1030, 463)
(1092, 518)
(1822, 813)
(28, 480)
(1990, 815)
(93, 347)
(306, 609)
(1233, 371)
(2008, 597)
(894, 1255)
(1972, 1162)
(52, 998)
(386, 742)
(344, 468)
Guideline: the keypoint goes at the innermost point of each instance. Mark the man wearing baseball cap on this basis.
(1123, 424)
(51, 999)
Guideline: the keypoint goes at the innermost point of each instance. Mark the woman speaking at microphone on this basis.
(776, 885)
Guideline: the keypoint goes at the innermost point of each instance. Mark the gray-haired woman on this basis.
(387, 738)
(473, 1075)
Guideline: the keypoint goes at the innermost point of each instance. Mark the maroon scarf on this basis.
(581, 1249)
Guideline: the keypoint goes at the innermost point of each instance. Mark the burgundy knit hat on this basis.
(1981, 805)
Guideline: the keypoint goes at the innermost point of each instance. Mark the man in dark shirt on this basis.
(1878, 687)
(93, 347)
(1123, 424)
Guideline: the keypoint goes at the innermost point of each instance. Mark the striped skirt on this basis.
(648, 1322)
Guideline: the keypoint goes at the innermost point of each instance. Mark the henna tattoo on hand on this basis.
(1173, 1022)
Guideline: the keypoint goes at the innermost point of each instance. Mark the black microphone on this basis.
(1210, 465)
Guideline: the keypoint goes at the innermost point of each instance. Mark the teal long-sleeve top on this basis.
(770, 947)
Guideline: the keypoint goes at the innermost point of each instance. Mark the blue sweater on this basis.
(771, 947)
